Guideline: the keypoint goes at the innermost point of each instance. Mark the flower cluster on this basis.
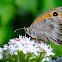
(55, 59)
(27, 46)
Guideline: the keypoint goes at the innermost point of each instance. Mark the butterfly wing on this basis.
(48, 27)
(49, 30)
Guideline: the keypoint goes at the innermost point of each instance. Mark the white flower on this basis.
(45, 59)
(1, 51)
(47, 49)
(55, 59)
(59, 59)
(15, 52)
(1, 56)
(26, 45)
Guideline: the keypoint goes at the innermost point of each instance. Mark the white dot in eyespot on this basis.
(54, 14)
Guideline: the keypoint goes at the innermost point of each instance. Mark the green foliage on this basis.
(6, 12)
(27, 5)
(21, 57)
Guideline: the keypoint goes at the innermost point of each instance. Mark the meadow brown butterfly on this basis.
(48, 26)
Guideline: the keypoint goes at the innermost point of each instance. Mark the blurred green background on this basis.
(16, 14)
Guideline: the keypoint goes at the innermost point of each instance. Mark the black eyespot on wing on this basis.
(55, 14)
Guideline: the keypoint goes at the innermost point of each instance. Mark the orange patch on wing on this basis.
(60, 15)
(47, 15)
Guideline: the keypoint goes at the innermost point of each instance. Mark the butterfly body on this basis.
(48, 26)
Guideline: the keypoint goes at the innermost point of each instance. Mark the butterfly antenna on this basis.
(19, 29)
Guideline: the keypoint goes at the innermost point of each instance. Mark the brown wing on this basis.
(49, 29)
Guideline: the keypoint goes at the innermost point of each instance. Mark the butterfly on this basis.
(48, 26)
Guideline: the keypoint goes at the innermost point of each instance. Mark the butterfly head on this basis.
(30, 32)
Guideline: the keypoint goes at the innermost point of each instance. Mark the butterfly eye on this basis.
(55, 14)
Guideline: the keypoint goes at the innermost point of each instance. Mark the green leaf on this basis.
(27, 5)
(7, 11)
